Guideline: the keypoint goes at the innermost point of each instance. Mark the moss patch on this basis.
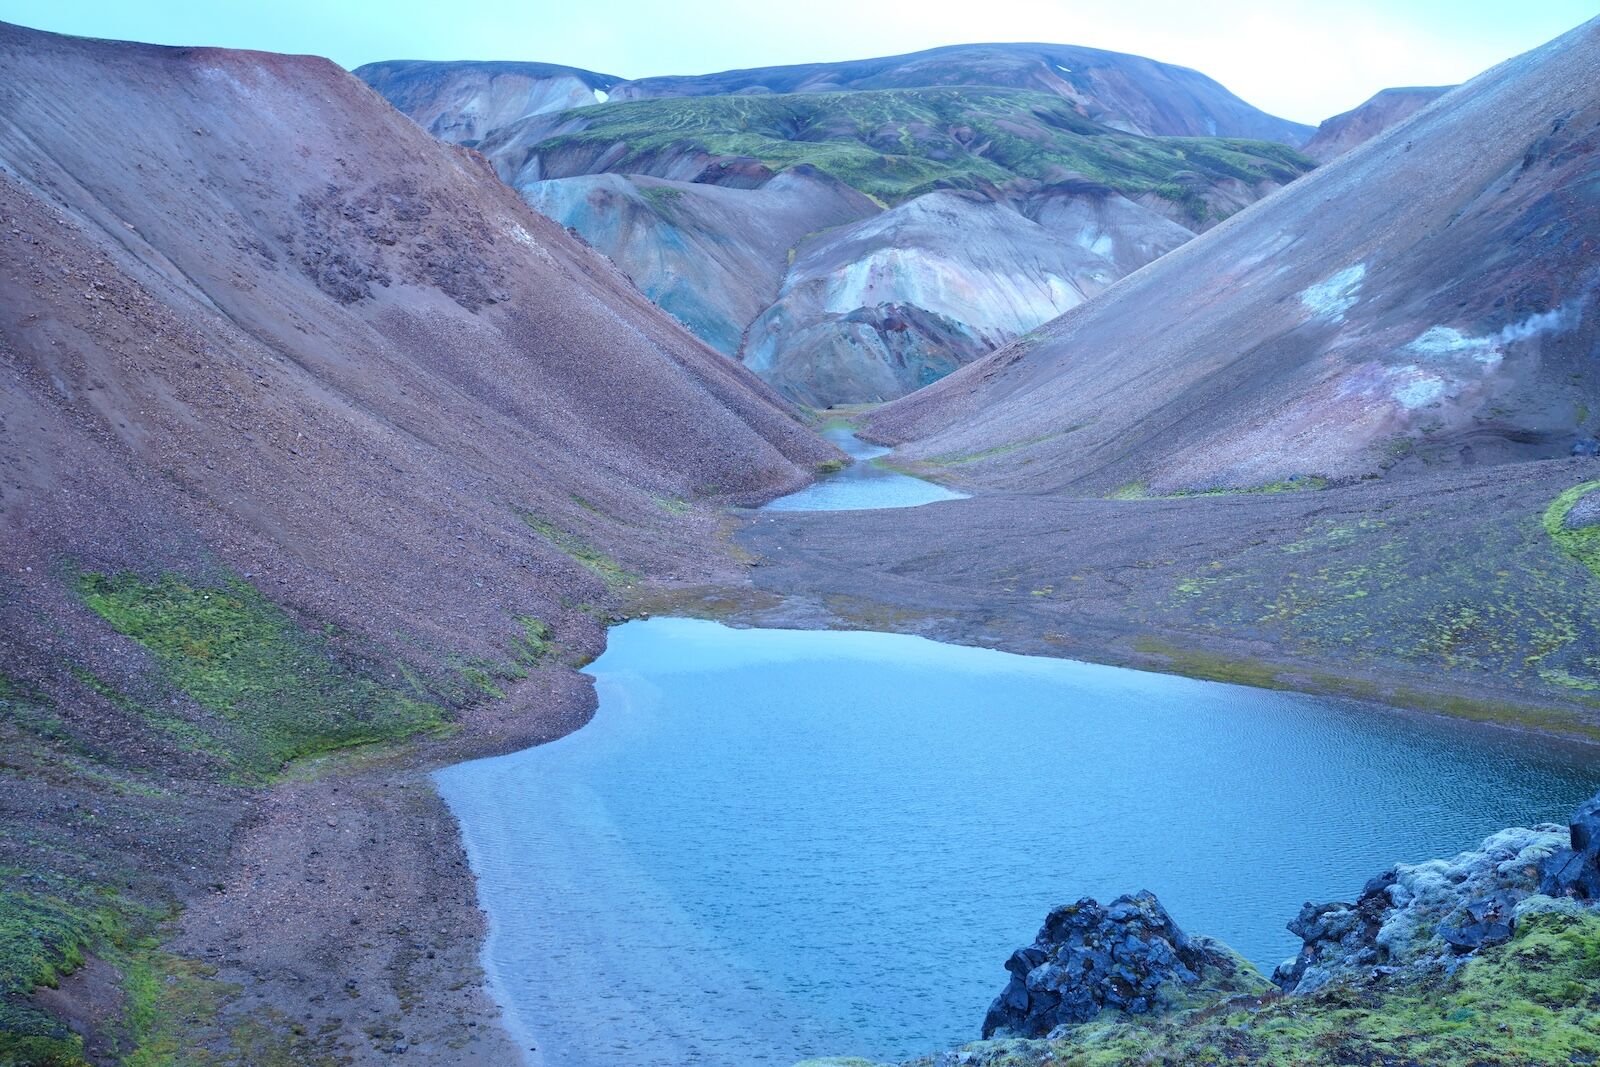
(43, 938)
(278, 690)
(592, 559)
(1193, 663)
(1582, 545)
(895, 144)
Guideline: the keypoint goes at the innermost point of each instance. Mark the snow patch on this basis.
(601, 96)
(1093, 239)
(1064, 70)
(1333, 296)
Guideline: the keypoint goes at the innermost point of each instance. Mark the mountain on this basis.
(1124, 92)
(892, 144)
(1340, 134)
(883, 306)
(312, 434)
(1425, 302)
(461, 102)
(712, 255)
(685, 178)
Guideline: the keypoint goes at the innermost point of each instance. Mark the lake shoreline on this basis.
(778, 592)
(1413, 850)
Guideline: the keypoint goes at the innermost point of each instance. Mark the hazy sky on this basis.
(1302, 59)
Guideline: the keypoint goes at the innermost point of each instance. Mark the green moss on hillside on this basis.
(1583, 544)
(894, 144)
(42, 938)
(1499, 600)
(593, 560)
(278, 690)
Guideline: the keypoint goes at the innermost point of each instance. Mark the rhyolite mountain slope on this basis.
(1387, 108)
(894, 145)
(713, 255)
(460, 102)
(1126, 92)
(312, 433)
(1427, 299)
(880, 307)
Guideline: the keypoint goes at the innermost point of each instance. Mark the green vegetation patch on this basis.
(596, 562)
(895, 144)
(43, 938)
(278, 689)
(1193, 663)
(1582, 544)
(1490, 597)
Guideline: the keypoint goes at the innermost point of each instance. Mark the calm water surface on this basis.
(771, 844)
(863, 484)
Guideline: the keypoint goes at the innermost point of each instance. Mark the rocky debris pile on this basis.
(1430, 915)
(1586, 512)
(1127, 956)
(1575, 870)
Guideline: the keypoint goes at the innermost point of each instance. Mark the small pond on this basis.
(863, 484)
(771, 844)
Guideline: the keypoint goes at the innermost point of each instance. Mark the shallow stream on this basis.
(863, 484)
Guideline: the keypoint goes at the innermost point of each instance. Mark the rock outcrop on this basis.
(1421, 916)
(1574, 871)
(1128, 956)
(1426, 916)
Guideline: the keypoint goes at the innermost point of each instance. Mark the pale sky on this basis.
(1301, 59)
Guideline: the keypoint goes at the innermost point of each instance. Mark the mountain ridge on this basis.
(1350, 349)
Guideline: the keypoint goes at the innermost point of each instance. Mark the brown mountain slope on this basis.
(1426, 299)
(1387, 108)
(311, 434)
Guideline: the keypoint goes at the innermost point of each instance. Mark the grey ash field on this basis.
(325, 460)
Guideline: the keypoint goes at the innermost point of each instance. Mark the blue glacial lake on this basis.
(773, 844)
(863, 484)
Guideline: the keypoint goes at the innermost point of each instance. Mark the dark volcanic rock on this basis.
(1424, 916)
(1127, 956)
(1575, 871)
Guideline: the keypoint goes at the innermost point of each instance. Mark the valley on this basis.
(964, 214)
(456, 509)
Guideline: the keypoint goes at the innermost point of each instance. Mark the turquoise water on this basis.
(771, 844)
(863, 484)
